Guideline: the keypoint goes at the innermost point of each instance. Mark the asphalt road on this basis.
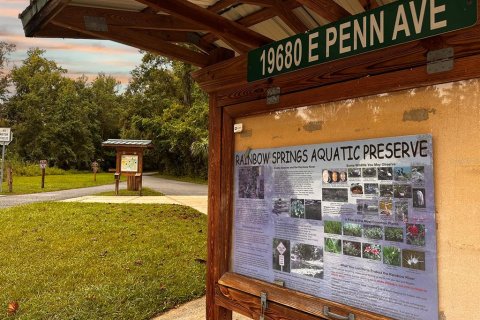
(168, 187)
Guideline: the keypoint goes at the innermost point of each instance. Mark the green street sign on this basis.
(399, 22)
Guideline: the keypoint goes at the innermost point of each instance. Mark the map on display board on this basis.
(352, 222)
(129, 163)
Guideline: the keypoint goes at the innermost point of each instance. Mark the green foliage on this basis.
(124, 192)
(27, 185)
(373, 232)
(23, 169)
(64, 121)
(334, 227)
(333, 245)
(352, 229)
(101, 261)
(59, 119)
(5, 50)
(165, 105)
(394, 234)
(391, 256)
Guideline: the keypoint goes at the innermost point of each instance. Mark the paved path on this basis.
(175, 188)
(10, 201)
(197, 202)
(167, 187)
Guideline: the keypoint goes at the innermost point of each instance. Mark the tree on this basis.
(49, 116)
(164, 104)
(5, 50)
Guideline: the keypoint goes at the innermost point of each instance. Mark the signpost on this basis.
(281, 258)
(383, 27)
(6, 137)
(43, 166)
(95, 170)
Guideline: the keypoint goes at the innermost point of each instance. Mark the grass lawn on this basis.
(100, 261)
(24, 185)
(184, 179)
(125, 192)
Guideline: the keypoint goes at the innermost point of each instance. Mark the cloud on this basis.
(10, 13)
(23, 42)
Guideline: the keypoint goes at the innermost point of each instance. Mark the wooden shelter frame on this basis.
(231, 96)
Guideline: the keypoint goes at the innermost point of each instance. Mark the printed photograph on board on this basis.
(403, 174)
(313, 209)
(373, 232)
(371, 189)
(306, 260)
(386, 208)
(369, 172)
(281, 255)
(385, 173)
(352, 229)
(333, 245)
(335, 194)
(402, 191)
(367, 207)
(356, 189)
(415, 234)
(418, 175)
(354, 173)
(419, 200)
(297, 208)
(352, 248)
(251, 182)
(371, 251)
(392, 256)
(386, 190)
(401, 211)
(394, 234)
(413, 259)
(281, 207)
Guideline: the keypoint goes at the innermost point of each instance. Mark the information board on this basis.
(351, 222)
(129, 163)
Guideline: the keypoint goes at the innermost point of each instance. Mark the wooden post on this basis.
(43, 178)
(95, 170)
(10, 178)
(43, 166)
(117, 183)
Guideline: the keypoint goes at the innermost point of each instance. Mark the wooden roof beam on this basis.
(327, 9)
(222, 5)
(129, 19)
(259, 16)
(289, 17)
(369, 4)
(182, 37)
(222, 27)
(139, 40)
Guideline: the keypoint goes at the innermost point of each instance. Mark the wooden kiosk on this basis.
(365, 70)
(129, 161)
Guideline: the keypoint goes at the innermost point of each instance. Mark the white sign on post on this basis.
(281, 260)
(43, 164)
(281, 248)
(5, 134)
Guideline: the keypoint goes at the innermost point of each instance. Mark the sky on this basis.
(79, 57)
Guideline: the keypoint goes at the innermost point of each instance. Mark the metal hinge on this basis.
(263, 305)
(273, 95)
(440, 60)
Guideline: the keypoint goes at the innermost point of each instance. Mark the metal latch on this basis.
(273, 95)
(328, 313)
(263, 305)
(440, 60)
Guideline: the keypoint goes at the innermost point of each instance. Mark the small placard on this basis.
(43, 164)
